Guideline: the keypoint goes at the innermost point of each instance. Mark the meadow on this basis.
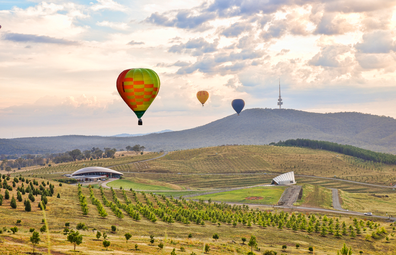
(173, 225)
(171, 219)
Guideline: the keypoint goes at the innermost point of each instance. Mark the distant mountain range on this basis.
(132, 135)
(253, 126)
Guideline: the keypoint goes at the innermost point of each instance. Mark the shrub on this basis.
(13, 202)
(311, 249)
(297, 245)
(98, 235)
(243, 240)
(215, 236)
(161, 245)
(113, 228)
(106, 243)
(31, 230)
(190, 235)
(128, 236)
(182, 249)
(207, 248)
(81, 226)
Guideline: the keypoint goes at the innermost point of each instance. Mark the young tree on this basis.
(128, 236)
(207, 248)
(13, 202)
(98, 235)
(345, 250)
(151, 239)
(28, 206)
(75, 238)
(252, 242)
(14, 230)
(161, 245)
(243, 240)
(106, 244)
(35, 239)
(215, 236)
(113, 228)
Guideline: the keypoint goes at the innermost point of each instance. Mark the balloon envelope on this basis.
(138, 87)
(202, 96)
(238, 105)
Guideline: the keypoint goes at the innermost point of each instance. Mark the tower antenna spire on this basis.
(280, 103)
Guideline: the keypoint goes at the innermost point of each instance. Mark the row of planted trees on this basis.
(170, 210)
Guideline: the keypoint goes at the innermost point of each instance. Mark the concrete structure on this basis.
(284, 179)
(95, 174)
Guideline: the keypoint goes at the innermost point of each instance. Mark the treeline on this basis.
(9, 162)
(340, 148)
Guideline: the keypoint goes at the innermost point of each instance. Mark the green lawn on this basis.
(126, 184)
(270, 195)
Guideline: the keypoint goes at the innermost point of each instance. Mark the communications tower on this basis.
(280, 103)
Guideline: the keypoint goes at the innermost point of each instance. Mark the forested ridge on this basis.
(341, 148)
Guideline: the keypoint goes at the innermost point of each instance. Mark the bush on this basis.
(311, 248)
(13, 202)
(207, 248)
(106, 244)
(31, 230)
(81, 226)
(113, 228)
(161, 245)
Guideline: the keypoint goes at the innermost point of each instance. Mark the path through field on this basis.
(336, 200)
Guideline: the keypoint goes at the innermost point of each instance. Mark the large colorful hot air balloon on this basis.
(238, 105)
(202, 96)
(138, 87)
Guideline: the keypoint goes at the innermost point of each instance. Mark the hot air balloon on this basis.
(238, 105)
(202, 96)
(138, 87)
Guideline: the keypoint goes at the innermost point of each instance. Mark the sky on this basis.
(59, 60)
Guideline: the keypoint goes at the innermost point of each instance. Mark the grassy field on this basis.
(316, 196)
(67, 209)
(379, 204)
(127, 184)
(268, 195)
(273, 159)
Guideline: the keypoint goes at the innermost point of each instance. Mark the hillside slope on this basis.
(253, 126)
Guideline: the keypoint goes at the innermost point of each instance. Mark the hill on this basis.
(253, 126)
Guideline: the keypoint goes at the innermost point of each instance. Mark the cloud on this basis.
(377, 42)
(283, 52)
(14, 37)
(236, 29)
(329, 56)
(376, 61)
(109, 5)
(331, 24)
(183, 19)
(135, 43)
(196, 46)
(114, 25)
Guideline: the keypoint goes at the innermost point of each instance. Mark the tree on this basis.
(128, 236)
(6, 195)
(252, 242)
(98, 235)
(75, 154)
(28, 206)
(345, 250)
(14, 230)
(1, 199)
(106, 244)
(207, 248)
(173, 252)
(113, 228)
(35, 239)
(243, 240)
(215, 236)
(136, 148)
(128, 148)
(13, 202)
(75, 238)
(161, 245)
(43, 229)
(151, 239)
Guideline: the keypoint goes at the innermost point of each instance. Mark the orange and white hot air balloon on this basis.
(202, 96)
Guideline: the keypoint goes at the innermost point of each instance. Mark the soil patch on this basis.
(254, 198)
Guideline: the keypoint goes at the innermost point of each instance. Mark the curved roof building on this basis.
(284, 179)
(95, 172)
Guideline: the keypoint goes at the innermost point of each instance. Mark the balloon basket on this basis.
(140, 122)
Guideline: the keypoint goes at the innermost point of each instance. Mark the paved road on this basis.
(336, 200)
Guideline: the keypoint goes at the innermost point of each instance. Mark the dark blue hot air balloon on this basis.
(238, 105)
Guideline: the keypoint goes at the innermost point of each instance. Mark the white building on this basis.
(95, 173)
(284, 179)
